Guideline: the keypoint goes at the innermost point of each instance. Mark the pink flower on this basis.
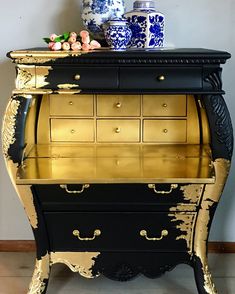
(72, 40)
(66, 46)
(86, 39)
(76, 46)
(73, 34)
(52, 37)
(84, 34)
(56, 46)
(94, 44)
(50, 45)
(86, 47)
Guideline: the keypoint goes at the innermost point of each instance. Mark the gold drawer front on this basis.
(71, 105)
(114, 130)
(165, 131)
(118, 105)
(73, 130)
(164, 105)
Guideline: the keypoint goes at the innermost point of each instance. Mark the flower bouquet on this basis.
(72, 41)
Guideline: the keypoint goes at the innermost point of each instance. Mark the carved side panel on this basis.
(220, 126)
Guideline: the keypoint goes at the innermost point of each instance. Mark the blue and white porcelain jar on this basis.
(146, 24)
(96, 12)
(118, 34)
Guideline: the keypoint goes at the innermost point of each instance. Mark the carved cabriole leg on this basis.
(40, 276)
(13, 141)
(209, 202)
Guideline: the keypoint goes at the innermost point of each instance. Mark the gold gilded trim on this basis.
(185, 225)
(42, 73)
(67, 86)
(192, 192)
(26, 197)
(25, 77)
(41, 57)
(9, 121)
(40, 276)
(81, 262)
(210, 197)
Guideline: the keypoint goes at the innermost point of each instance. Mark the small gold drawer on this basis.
(71, 105)
(114, 130)
(118, 105)
(72, 130)
(165, 131)
(164, 105)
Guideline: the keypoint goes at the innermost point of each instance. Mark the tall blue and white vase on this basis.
(146, 24)
(96, 12)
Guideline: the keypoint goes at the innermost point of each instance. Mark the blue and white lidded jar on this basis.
(146, 24)
(118, 34)
(96, 12)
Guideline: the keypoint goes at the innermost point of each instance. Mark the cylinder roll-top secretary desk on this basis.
(119, 158)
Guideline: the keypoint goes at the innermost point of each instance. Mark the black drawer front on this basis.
(119, 231)
(116, 197)
(61, 77)
(161, 78)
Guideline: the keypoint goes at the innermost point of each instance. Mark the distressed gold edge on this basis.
(211, 195)
(40, 275)
(186, 235)
(81, 262)
(45, 91)
(22, 181)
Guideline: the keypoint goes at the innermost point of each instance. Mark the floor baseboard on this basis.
(29, 246)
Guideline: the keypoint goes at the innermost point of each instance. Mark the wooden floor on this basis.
(16, 270)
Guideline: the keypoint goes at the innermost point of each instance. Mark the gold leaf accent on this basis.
(192, 192)
(209, 286)
(67, 86)
(25, 77)
(81, 262)
(185, 226)
(9, 124)
(41, 273)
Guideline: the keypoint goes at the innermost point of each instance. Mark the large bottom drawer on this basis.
(165, 232)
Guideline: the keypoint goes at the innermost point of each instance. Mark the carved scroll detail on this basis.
(223, 125)
(9, 123)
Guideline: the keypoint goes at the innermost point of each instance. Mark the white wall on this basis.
(189, 23)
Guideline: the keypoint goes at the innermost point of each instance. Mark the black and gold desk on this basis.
(119, 158)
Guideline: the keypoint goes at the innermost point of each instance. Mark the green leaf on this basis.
(66, 36)
(47, 40)
(59, 38)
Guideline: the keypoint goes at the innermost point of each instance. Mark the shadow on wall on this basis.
(69, 19)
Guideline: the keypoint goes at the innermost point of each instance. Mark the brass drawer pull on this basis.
(153, 186)
(144, 233)
(118, 105)
(164, 105)
(97, 233)
(161, 78)
(70, 102)
(77, 77)
(165, 131)
(75, 192)
(72, 131)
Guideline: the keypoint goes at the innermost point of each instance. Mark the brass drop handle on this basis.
(161, 78)
(143, 233)
(97, 233)
(77, 77)
(118, 104)
(85, 186)
(153, 186)
(165, 131)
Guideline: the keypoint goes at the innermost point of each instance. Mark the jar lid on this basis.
(144, 4)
